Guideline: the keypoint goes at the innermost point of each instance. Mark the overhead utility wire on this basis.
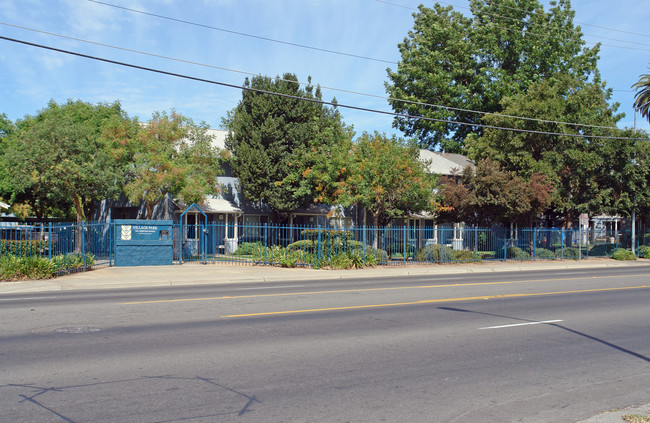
(534, 33)
(243, 34)
(328, 103)
(306, 84)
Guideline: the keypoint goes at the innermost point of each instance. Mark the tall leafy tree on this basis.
(269, 135)
(60, 157)
(472, 63)
(642, 97)
(172, 155)
(573, 163)
(382, 174)
(488, 194)
(6, 128)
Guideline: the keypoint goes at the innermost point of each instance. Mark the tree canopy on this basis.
(488, 194)
(384, 175)
(472, 63)
(60, 157)
(172, 155)
(269, 135)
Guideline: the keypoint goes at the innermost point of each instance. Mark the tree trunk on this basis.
(375, 224)
(80, 218)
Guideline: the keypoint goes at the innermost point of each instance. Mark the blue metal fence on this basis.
(73, 247)
(317, 246)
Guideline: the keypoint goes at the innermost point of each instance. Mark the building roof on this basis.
(446, 164)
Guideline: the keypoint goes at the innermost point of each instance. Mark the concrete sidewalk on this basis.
(210, 274)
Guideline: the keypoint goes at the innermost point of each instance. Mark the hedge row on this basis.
(14, 267)
(23, 248)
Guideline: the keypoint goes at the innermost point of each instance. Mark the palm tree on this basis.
(642, 97)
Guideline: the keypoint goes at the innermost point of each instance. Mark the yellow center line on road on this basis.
(392, 288)
(440, 300)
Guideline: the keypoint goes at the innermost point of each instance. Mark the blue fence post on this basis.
(475, 243)
(404, 246)
(49, 238)
(363, 236)
(266, 227)
(534, 244)
(587, 242)
(562, 240)
(505, 245)
(110, 242)
(319, 245)
(442, 240)
(83, 246)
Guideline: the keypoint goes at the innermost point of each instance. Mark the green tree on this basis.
(488, 194)
(472, 63)
(384, 175)
(573, 163)
(174, 156)
(60, 157)
(269, 135)
(6, 128)
(642, 97)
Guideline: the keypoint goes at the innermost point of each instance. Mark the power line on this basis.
(321, 102)
(243, 34)
(456, 109)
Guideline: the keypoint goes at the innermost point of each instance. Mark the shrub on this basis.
(67, 263)
(247, 248)
(571, 253)
(623, 254)
(379, 255)
(22, 248)
(289, 261)
(32, 267)
(513, 253)
(601, 250)
(398, 248)
(644, 251)
(431, 254)
(544, 253)
(304, 245)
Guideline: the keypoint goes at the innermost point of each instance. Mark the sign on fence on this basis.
(143, 242)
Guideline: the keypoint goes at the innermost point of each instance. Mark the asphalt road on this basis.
(554, 346)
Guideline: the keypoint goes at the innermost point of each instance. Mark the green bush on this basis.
(398, 248)
(304, 245)
(602, 250)
(515, 253)
(66, 263)
(32, 267)
(570, 253)
(247, 248)
(623, 254)
(381, 256)
(644, 251)
(544, 253)
(431, 254)
(22, 248)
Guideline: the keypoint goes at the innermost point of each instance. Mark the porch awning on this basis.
(219, 205)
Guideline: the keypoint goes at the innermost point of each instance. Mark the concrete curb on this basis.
(214, 274)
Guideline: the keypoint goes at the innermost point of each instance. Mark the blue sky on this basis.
(30, 77)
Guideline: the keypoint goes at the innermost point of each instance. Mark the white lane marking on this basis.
(523, 324)
(270, 287)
